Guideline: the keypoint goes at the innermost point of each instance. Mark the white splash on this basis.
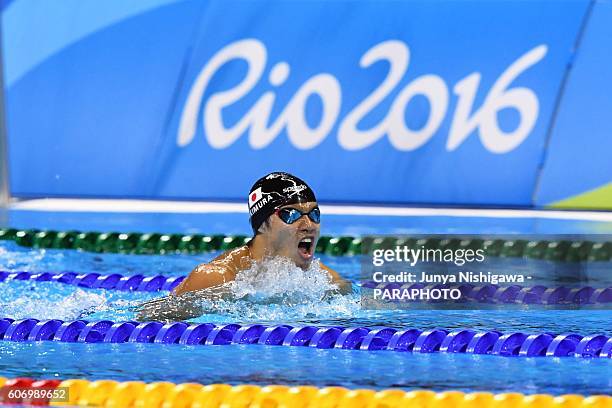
(279, 280)
(277, 290)
(70, 307)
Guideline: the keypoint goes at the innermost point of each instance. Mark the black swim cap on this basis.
(273, 191)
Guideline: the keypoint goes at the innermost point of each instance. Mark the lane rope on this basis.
(110, 393)
(465, 341)
(488, 293)
(93, 280)
(158, 243)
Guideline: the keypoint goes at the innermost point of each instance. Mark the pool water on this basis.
(257, 364)
(265, 365)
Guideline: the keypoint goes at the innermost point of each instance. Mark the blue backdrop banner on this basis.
(419, 102)
(578, 169)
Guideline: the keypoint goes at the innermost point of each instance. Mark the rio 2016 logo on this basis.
(466, 119)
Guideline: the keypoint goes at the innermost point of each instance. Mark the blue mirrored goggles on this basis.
(291, 215)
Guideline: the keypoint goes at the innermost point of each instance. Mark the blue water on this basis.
(282, 365)
(302, 365)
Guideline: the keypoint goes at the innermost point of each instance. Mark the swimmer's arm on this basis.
(204, 276)
(168, 309)
(344, 286)
(186, 306)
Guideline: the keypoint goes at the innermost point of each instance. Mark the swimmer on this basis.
(285, 219)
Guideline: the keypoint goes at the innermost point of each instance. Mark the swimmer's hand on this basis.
(344, 287)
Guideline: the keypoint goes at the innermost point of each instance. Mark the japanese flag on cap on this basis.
(255, 196)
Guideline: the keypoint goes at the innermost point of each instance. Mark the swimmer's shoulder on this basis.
(220, 270)
(235, 259)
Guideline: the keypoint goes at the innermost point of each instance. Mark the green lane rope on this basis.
(154, 243)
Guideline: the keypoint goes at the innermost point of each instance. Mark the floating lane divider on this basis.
(109, 393)
(482, 294)
(350, 338)
(158, 243)
(513, 294)
(114, 281)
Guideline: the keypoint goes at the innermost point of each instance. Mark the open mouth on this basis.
(306, 247)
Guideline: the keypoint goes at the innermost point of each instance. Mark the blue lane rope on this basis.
(465, 341)
(114, 281)
(484, 294)
(489, 293)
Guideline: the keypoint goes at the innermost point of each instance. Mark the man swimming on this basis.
(285, 219)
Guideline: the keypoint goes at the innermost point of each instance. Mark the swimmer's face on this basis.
(295, 241)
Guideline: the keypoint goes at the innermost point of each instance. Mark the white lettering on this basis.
(430, 86)
(396, 52)
(416, 294)
(522, 99)
(327, 88)
(218, 137)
